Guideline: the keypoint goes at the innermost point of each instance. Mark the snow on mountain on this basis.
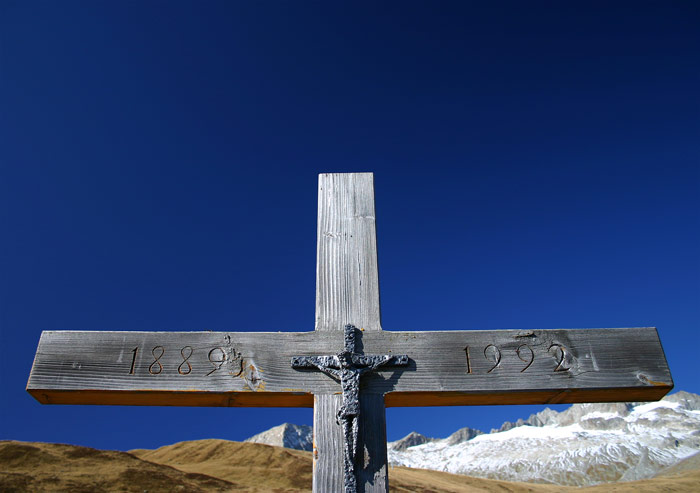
(585, 444)
(299, 437)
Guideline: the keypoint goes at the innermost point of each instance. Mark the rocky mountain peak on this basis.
(410, 440)
(288, 435)
(462, 435)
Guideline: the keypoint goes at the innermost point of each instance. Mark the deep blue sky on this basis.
(536, 166)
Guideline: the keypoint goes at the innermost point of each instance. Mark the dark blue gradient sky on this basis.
(536, 166)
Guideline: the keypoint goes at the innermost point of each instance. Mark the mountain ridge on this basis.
(583, 445)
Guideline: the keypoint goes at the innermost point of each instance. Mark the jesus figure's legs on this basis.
(349, 424)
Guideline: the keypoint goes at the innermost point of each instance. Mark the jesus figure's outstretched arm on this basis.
(324, 363)
(376, 363)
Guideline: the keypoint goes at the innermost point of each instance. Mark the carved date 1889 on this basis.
(217, 357)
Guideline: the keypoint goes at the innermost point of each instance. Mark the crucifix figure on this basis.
(347, 367)
(446, 368)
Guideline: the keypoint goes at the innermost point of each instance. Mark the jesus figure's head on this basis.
(345, 359)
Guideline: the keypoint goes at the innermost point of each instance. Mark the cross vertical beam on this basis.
(347, 292)
(347, 280)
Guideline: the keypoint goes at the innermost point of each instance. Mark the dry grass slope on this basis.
(253, 466)
(221, 466)
(50, 467)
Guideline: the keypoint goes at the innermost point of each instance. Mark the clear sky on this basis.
(536, 166)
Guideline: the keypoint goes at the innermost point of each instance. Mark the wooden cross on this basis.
(443, 367)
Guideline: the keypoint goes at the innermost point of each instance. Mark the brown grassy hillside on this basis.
(255, 466)
(221, 466)
(51, 467)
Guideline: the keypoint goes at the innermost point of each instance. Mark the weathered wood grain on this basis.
(328, 444)
(347, 292)
(85, 367)
(372, 473)
(347, 285)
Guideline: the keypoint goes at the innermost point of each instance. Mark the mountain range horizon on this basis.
(615, 442)
(630, 447)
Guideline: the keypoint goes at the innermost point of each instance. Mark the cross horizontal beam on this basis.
(445, 367)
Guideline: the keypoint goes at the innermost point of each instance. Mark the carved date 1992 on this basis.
(524, 352)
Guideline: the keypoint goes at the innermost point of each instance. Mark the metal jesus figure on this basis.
(347, 367)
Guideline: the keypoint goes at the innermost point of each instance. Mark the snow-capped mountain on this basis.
(299, 437)
(583, 445)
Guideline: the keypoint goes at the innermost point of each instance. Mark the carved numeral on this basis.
(496, 356)
(133, 360)
(217, 357)
(180, 369)
(152, 369)
(532, 356)
(563, 354)
(525, 353)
